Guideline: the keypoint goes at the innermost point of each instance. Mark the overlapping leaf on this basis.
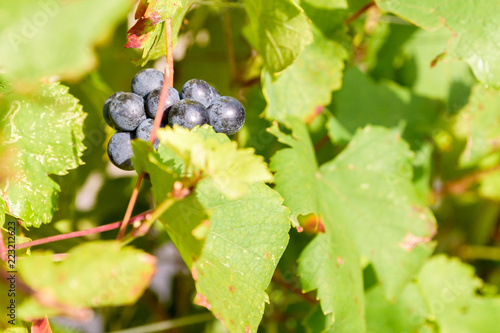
(367, 191)
(479, 124)
(331, 264)
(306, 86)
(43, 135)
(473, 23)
(230, 168)
(231, 231)
(41, 38)
(148, 33)
(93, 274)
(448, 81)
(443, 295)
(244, 243)
(278, 30)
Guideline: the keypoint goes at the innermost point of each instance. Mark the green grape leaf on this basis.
(306, 86)
(479, 124)
(444, 293)
(448, 81)
(329, 16)
(43, 38)
(473, 24)
(100, 273)
(148, 33)
(157, 10)
(406, 315)
(330, 263)
(43, 134)
(278, 30)
(214, 155)
(244, 243)
(301, 159)
(481, 315)
(231, 245)
(369, 190)
(361, 102)
(447, 281)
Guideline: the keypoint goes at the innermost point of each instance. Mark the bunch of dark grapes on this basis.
(132, 113)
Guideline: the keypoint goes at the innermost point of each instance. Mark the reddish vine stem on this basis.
(278, 279)
(359, 12)
(130, 207)
(3, 250)
(459, 186)
(168, 82)
(321, 142)
(74, 234)
(230, 46)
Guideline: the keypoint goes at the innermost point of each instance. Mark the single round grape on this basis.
(120, 150)
(197, 90)
(226, 115)
(105, 109)
(143, 132)
(153, 99)
(146, 81)
(187, 113)
(126, 111)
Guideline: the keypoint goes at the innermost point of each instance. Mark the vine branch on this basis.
(226, 19)
(81, 233)
(357, 14)
(471, 252)
(179, 192)
(167, 83)
(3, 250)
(278, 279)
(321, 142)
(169, 324)
(459, 186)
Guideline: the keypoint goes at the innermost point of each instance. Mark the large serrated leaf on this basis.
(214, 155)
(243, 245)
(41, 38)
(369, 191)
(93, 274)
(43, 134)
(306, 86)
(443, 295)
(474, 24)
(331, 264)
(278, 30)
(232, 246)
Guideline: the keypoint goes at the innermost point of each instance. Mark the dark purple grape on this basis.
(120, 150)
(153, 99)
(226, 115)
(187, 113)
(126, 111)
(105, 109)
(197, 90)
(146, 81)
(143, 131)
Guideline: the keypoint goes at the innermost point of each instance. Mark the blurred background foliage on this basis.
(390, 79)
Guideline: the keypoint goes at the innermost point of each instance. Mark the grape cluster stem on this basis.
(168, 82)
